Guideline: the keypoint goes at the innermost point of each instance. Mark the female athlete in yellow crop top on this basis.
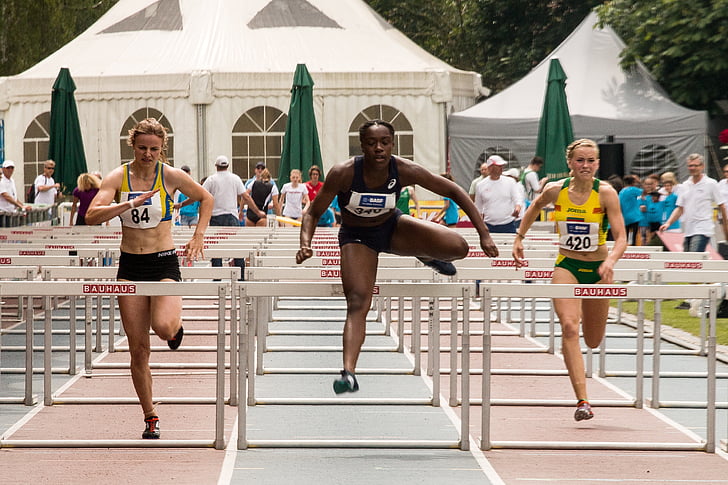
(148, 252)
(582, 207)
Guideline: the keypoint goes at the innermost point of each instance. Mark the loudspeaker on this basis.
(611, 161)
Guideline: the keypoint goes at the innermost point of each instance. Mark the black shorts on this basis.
(149, 267)
(378, 238)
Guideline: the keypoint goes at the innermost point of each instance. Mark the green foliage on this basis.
(32, 30)
(500, 39)
(683, 44)
(678, 318)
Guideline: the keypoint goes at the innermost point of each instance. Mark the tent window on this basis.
(35, 149)
(654, 159)
(404, 143)
(258, 137)
(161, 15)
(505, 153)
(291, 13)
(127, 153)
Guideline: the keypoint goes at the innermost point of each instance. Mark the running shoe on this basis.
(151, 432)
(177, 340)
(346, 383)
(442, 267)
(583, 411)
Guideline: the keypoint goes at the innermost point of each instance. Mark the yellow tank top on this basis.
(580, 227)
(155, 210)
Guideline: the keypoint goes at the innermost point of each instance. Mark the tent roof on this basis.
(596, 85)
(148, 37)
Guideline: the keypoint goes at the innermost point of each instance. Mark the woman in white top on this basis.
(295, 196)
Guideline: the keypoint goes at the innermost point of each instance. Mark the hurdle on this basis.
(86, 288)
(640, 293)
(252, 290)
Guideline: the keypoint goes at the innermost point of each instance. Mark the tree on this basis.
(31, 31)
(683, 44)
(500, 39)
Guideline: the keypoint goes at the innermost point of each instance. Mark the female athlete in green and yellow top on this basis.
(584, 208)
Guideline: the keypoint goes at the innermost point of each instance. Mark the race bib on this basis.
(579, 236)
(370, 205)
(146, 216)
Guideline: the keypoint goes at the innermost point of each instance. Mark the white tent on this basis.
(604, 101)
(204, 64)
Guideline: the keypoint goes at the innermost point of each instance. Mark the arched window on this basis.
(505, 153)
(35, 149)
(126, 152)
(654, 159)
(404, 145)
(258, 137)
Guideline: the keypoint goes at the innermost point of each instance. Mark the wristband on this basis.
(131, 204)
(520, 235)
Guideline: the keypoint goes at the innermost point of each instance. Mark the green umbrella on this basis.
(301, 147)
(554, 129)
(66, 145)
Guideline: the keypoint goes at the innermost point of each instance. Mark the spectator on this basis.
(260, 191)
(449, 214)
(294, 197)
(498, 198)
(698, 195)
(87, 186)
(188, 208)
(227, 189)
(669, 202)
(314, 184)
(9, 201)
(529, 178)
(513, 173)
(46, 189)
(629, 201)
(274, 195)
(483, 171)
(651, 206)
(406, 195)
(723, 184)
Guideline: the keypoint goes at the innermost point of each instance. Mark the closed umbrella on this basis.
(301, 147)
(554, 128)
(66, 144)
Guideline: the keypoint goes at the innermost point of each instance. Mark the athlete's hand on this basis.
(517, 253)
(141, 198)
(606, 271)
(303, 254)
(488, 246)
(194, 248)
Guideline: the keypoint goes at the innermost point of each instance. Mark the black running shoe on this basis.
(583, 411)
(177, 340)
(442, 267)
(151, 432)
(346, 383)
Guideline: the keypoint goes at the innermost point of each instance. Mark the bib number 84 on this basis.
(139, 215)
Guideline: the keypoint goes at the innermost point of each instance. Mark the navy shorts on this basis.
(378, 238)
(149, 267)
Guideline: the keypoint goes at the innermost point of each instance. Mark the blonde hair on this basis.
(87, 181)
(148, 126)
(582, 142)
(668, 177)
(265, 174)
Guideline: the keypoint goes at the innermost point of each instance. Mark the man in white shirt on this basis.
(8, 196)
(483, 170)
(698, 195)
(723, 184)
(532, 184)
(498, 198)
(46, 189)
(228, 190)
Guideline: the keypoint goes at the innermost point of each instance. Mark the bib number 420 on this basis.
(578, 243)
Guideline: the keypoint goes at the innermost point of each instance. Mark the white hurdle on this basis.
(250, 291)
(112, 289)
(637, 292)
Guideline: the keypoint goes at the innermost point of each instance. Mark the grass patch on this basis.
(677, 318)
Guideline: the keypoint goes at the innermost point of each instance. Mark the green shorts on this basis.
(585, 272)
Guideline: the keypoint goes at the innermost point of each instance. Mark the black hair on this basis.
(364, 127)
